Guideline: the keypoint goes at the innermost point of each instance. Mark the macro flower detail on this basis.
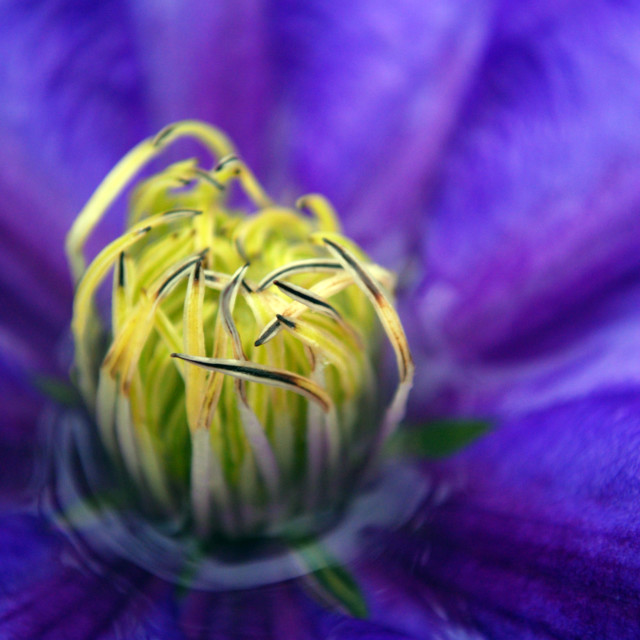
(238, 390)
(488, 153)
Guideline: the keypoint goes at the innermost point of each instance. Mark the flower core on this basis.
(238, 387)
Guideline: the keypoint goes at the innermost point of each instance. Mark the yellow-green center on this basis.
(238, 387)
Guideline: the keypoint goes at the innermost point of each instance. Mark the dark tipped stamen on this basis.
(307, 298)
(121, 270)
(208, 178)
(162, 135)
(253, 372)
(226, 301)
(170, 212)
(244, 370)
(385, 311)
(304, 266)
(177, 273)
(241, 251)
(362, 274)
(286, 321)
(267, 334)
(224, 162)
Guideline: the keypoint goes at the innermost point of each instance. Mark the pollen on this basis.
(239, 386)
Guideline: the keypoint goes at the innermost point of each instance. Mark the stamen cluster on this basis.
(238, 387)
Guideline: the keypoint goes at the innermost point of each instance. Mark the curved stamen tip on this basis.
(225, 161)
(163, 135)
(286, 321)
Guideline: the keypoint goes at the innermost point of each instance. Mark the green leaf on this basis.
(61, 391)
(436, 439)
(331, 583)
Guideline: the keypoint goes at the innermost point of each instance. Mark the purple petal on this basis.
(46, 595)
(352, 629)
(71, 107)
(72, 103)
(532, 533)
(371, 92)
(208, 61)
(53, 590)
(401, 604)
(537, 209)
(20, 406)
(595, 346)
(276, 611)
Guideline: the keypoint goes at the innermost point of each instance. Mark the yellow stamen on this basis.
(268, 409)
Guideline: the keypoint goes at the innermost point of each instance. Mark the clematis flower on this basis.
(487, 151)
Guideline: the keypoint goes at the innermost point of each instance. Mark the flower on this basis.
(494, 147)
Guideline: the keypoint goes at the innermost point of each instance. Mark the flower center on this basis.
(238, 389)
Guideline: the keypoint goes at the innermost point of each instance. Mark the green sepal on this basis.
(436, 439)
(330, 582)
